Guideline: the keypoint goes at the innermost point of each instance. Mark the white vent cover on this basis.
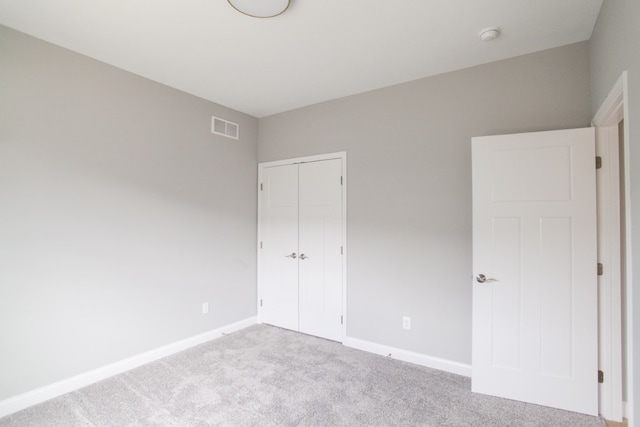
(224, 127)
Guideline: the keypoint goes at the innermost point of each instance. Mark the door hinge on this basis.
(341, 250)
(600, 377)
(260, 186)
(342, 320)
(340, 180)
(260, 302)
(260, 244)
(600, 269)
(598, 162)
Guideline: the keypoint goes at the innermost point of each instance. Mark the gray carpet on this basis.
(266, 376)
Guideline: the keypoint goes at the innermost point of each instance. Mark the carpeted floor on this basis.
(266, 376)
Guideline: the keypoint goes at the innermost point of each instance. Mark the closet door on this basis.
(301, 256)
(279, 252)
(320, 243)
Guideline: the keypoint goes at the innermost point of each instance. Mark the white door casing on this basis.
(314, 221)
(534, 233)
(614, 251)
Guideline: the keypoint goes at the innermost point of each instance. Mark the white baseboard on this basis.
(409, 356)
(625, 413)
(39, 395)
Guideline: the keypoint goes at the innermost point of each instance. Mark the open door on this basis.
(535, 268)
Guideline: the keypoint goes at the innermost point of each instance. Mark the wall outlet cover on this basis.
(406, 322)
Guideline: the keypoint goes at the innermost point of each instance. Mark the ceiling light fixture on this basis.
(260, 8)
(489, 33)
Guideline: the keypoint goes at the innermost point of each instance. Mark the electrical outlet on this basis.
(205, 308)
(406, 322)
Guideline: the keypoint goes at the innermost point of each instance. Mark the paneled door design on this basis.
(301, 247)
(534, 261)
(279, 247)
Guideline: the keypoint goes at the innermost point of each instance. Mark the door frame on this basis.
(297, 160)
(606, 120)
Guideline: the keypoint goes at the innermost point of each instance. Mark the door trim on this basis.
(611, 112)
(307, 159)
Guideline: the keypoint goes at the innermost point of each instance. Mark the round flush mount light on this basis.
(260, 8)
(489, 33)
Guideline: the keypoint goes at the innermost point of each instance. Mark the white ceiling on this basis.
(316, 51)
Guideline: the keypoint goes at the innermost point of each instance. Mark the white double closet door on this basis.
(301, 248)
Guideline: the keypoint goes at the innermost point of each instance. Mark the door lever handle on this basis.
(481, 278)
(303, 256)
(293, 255)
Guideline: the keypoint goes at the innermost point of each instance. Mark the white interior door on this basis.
(534, 240)
(320, 238)
(610, 281)
(301, 247)
(279, 252)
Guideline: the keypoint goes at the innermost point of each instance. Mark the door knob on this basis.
(303, 256)
(293, 255)
(481, 278)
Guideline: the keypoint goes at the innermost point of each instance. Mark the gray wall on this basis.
(409, 184)
(614, 48)
(120, 214)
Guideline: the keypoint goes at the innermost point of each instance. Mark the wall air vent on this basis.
(225, 127)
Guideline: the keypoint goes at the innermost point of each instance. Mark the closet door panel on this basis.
(279, 229)
(320, 242)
